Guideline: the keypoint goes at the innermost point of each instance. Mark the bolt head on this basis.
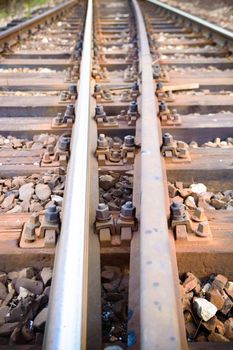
(70, 112)
(64, 143)
(102, 212)
(133, 108)
(129, 141)
(167, 139)
(177, 210)
(99, 110)
(34, 220)
(73, 89)
(102, 141)
(159, 85)
(128, 210)
(52, 215)
(162, 106)
(135, 86)
(97, 88)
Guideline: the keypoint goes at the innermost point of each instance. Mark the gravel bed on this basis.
(219, 12)
(38, 142)
(35, 193)
(207, 308)
(115, 284)
(196, 70)
(115, 189)
(30, 93)
(24, 297)
(197, 195)
(28, 70)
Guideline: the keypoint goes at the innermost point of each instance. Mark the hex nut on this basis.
(102, 212)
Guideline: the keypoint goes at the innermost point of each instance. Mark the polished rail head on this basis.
(66, 324)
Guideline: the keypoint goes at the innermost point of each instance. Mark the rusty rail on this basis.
(159, 309)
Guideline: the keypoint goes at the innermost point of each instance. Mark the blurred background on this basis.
(14, 9)
(216, 11)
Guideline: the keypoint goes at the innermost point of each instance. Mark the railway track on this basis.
(144, 231)
(39, 73)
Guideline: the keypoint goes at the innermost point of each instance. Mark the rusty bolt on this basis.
(97, 88)
(46, 158)
(52, 215)
(199, 215)
(30, 233)
(157, 71)
(64, 143)
(30, 228)
(167, 139)
(68, 74)
(99, 110)
(128, 211)
(59, 119)
(129, 141)
(102, 212)
(111, 119)
(183, 153)
(70, 112)
(177, 211)
(203, 229)
(73, 90)
(50, 149)
(133, 107)
(135, 87)
(102, 141)
(116, 146)
(63, 96)
(34, 220)
(159, 85)
(162, 106)
(115, 156)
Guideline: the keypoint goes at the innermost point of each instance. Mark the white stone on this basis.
(23, 293)
(204, 308)
(190, 202)
(26, 191)
(198, 188)
(57, 199)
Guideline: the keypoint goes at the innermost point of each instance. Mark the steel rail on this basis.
(66, 324)
(197, 20)
(159, 309)
(15, 32)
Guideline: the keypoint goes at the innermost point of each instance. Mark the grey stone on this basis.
(7, 328)
(41, 318)
(3, 291)
(26, 191)
(35, 287)
(43, 191)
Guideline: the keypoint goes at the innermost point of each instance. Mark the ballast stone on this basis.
(198, 188)
(204, 308)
